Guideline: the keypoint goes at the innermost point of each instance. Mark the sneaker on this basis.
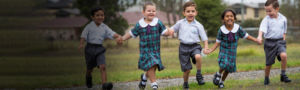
(141, 85)
(154, 87)
(221, 85)
(216, 79)
(199, 79)
(107, 86)
(89, 82)
(185, 86)
(267, 81)
(284, 78)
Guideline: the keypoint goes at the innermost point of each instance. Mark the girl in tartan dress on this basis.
(227, 38)
(149, 30)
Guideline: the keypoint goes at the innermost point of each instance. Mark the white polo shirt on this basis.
(274, 28)
(189, 32)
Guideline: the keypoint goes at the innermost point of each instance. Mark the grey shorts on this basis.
(273, 48)
(94, 55)
(186, 53)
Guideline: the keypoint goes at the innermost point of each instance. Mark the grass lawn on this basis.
(65, 66)
(256, 84)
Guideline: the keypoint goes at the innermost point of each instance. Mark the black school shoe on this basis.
(267, 81)
(88, 82)
(221, 85)
(216, 79)
(141, 85)
(107, 86)
(284, 78)
(185, 86)
(199, 79)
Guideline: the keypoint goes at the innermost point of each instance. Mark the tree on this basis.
(112, 8)
(171, 7)
(209, 14)
(291, 10)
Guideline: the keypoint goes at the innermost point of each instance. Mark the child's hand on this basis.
(207, 51)
(119, 41)
(80, 46)
(259, 40)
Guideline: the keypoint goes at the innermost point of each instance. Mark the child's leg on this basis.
(283, 57)
(103, 73)
(151, 74)
(198, 61)
(283, 76)
(224, 75)
(267, 70)
(199, 76)
(186, 75)
(267, 73)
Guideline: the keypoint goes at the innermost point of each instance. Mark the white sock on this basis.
(221, 81)
(218, 73)
(144, 76)
(154, 83)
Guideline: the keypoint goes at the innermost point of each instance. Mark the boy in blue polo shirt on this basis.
(274, 28)
(94, 34)
(189, 30)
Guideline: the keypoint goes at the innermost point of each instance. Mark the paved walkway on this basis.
(163, 83)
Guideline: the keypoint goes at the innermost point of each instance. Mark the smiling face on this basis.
(271, 11)
(149, 12)
(228, 19)
(190, 13)
(98, 17)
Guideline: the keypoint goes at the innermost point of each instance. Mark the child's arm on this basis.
(126, 36)
(284, 35)
(170, 32)
(253, 39)
(259, 37)
(81, 44)
(206, 49)
(216, 45)
(118, 38)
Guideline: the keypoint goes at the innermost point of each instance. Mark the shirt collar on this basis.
(234, 29)
(279, 16)
(144, 24)
(194, 21)
(93, 23)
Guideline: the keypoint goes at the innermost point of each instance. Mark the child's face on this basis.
(98, 17)
(272, 12)
(228, 19)
(150, 12)
(190, 13)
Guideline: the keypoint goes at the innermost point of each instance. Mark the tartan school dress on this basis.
(149, 43)
(228, 46)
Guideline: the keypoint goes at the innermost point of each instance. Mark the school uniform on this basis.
(94, 36)
(274, 29)
(228, 46)
(188, 35)
(149, 45)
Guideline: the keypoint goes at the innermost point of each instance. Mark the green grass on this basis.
(249, 84)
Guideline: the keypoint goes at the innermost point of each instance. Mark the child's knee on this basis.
(197, 56)
(283, 56)
(187, 71)
(102, 67)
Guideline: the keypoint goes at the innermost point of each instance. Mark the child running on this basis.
(189, 30)
(94, 34)
(274, 28)
(227, 38)
(149, 30)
